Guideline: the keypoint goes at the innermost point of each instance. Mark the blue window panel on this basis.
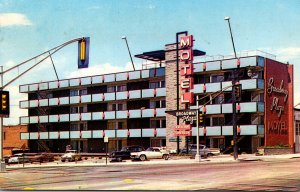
(24, 120)
(74, 134)
(229, 64)
(74, 99)
(160, 72)
(97, 97)
(227, 108)
(147, 93)
(160, 112)
(86, 116)
(194, 131)
(145, 73)
(110, 133)
(213, 109)
(33, 135)
(53, 85)
(121, 95)
(44, 102)
(74, 82)
(198, 67)
(97, 134)
(109, 78)
(261, 130)
(134, 75)
(44, 119)
(44, 135)
(249, 84)
(64, 83)
(248, 107)
(43, 86)
(86, 80)
(260, 83)
(261, 61)
(53, 118)
(227, 84)
(135, 113)
(75, 117)
(122, 133)
(152, 72)
(248, 129)
(135, 94)
(23, 88)
(147, 132)
(227, 130)
(215, 65)
(64, 100)
(121, 76)
(198, 88)
(24, 104)
(161, 132)
(121, 115)
(135, 132)
(248, 61)
(86, 134)
(64, 118)
(109, 96)
(86, 98)
(33, 87)
(53, 135)
(109, 115)
(97, 79)
(260, 107)
(53, 101)
(24, 136)
(64, 135)
(34, 119)
(97, 115)
(160, 92)
(213, 131)
(213, 87)
(33, 103)
(148, 113)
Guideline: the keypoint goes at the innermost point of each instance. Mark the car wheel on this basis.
(143, 157)
(209, 155)
(165, 157)
(62, 160)
(119, 159)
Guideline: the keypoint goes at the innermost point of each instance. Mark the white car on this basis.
(71, 155)
(18, 158)
(151, 153)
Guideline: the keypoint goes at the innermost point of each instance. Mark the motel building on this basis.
(139, 107)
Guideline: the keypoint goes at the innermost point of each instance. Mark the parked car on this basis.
(71, 155)
(42, 157)
(204, 151)
(151, 153)
(18, 158)
(124, 153)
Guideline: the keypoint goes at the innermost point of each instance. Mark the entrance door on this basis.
(297, 137)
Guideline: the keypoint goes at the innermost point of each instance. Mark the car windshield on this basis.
(124, 149)
(149, 149)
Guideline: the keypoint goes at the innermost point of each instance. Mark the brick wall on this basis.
(12, 138)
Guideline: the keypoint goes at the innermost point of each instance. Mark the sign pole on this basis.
(198, 155)
(2, 162)
(106, 148)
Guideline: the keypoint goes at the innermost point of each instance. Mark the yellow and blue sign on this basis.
(83, 52)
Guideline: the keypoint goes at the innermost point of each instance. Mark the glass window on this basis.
(160, 72)
(163, 104)
(111, 89)
(83, 92)
(50, 95)
(83, 109)
(162, 84)
(121, 88)
(154, 85)
(73, 109)
(217, 78)
(111, 125)
(120, 107)
(164, 123)
(120, 125)
(113, 107)
(152, 104)
(74, 93)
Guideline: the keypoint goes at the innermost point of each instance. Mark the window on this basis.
(117, 107)
(77, 92)
(111, 125)
(77, 109)
(158, 123)
(50, 95)
(157, 104)
(120, 107)
(158, 84)
(120, 125)
(78, 126)
(163, 104)
(121, 88)
(162, 84)
(111, 89)
(217, 121)
(83, 92)
(74, 93)
(217, 78)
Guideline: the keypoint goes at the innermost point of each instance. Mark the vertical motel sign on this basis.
(83, 52)
(186, 69)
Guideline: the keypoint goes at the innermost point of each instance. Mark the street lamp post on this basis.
(124, 37)
(2, 162)
(198, 155)
(234, 80)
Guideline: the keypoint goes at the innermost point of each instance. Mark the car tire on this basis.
(143, 158)
(62, 160)
(209, 155)
(165, 157)
(119, 159)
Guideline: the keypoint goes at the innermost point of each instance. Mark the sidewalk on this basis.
(172, 160)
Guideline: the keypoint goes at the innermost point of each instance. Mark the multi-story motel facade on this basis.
(135, 107)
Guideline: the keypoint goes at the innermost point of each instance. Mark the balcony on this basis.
(228, 130)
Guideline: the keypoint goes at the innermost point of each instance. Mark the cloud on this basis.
(99, 69)
(11, 19)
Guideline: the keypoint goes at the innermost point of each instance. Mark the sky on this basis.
(30, 27)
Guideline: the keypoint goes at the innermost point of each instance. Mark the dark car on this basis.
(42, 157)
(124, 153)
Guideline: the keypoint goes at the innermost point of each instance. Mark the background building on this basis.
(12, 140)
(130, 107)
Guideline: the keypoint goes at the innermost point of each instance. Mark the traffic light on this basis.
(201, 119)
(238, 92)
(83, 52)
(4, 109)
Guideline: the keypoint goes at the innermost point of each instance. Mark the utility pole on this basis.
(234, 81)
(2, 162)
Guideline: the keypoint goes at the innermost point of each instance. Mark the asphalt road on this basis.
(251, 175)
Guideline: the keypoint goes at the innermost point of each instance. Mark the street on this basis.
(246, 175)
